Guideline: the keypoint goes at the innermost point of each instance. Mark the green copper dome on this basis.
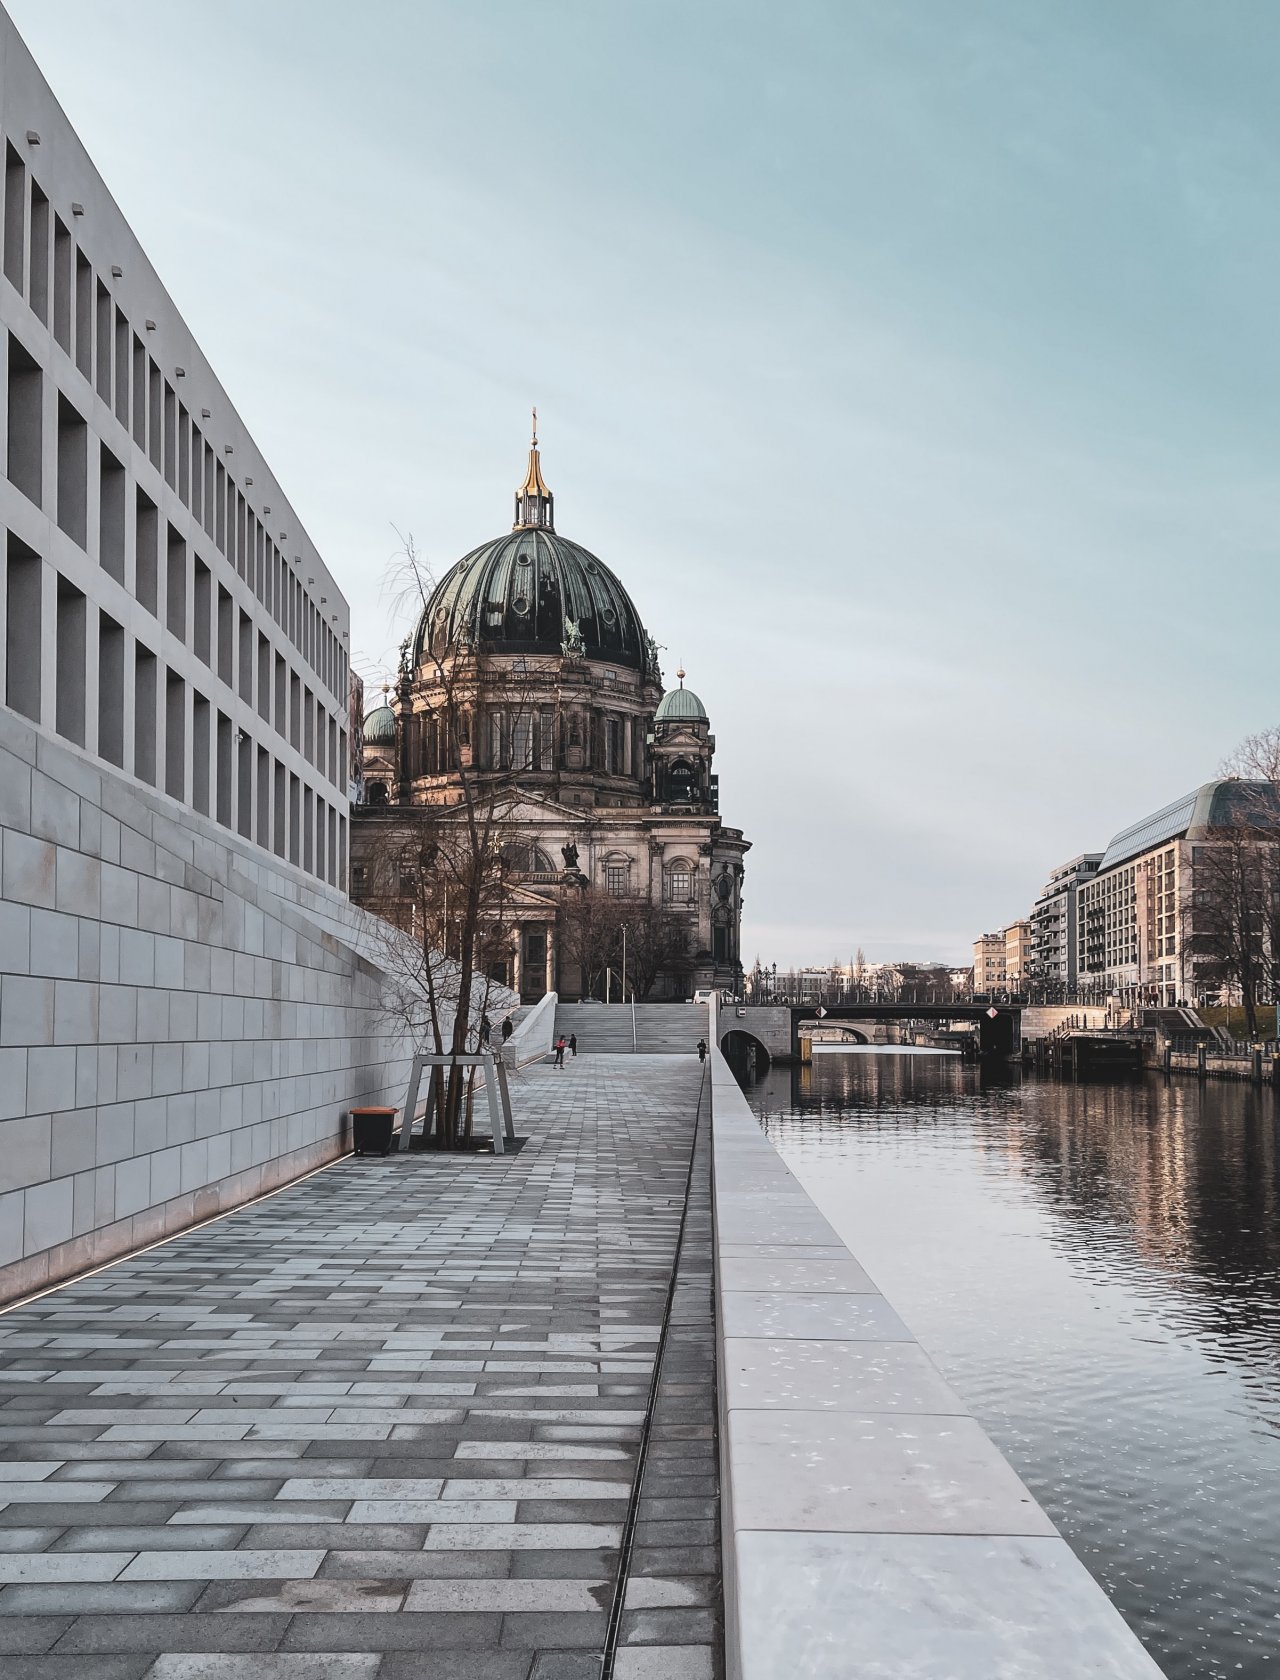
(526, 593)
(680, 705)
(380, 727)
(533, 592)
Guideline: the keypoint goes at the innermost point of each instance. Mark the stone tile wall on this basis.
(184, 1020)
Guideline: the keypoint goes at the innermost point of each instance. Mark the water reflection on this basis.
(1097, 1268)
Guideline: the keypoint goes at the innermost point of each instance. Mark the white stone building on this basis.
(183, 1018)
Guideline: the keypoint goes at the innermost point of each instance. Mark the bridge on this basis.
(774, 1028)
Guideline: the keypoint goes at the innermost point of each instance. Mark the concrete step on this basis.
(658, 1029)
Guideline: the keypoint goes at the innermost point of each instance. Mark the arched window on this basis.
(617, 874)
(682, 784)
(678, 882)
(523, 857)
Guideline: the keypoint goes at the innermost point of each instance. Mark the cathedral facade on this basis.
(530, 668)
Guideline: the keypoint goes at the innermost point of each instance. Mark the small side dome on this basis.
(680, 705)
(380, 727)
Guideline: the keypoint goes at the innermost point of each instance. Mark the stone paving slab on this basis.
(385, 1423)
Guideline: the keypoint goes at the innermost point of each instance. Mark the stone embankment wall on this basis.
(185, 1021)
(1260, 1069)
(770, 1024)
(1040, 1019)
(534, 1035)
(863, 1509)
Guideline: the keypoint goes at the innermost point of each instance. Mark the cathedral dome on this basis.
(380, 727)
(524, 593)
(680, 705)
(533, 592)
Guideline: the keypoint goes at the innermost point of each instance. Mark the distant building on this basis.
(529, 670)
(1054, 922)
(1137, 935)
(989, 962)
(1017, 954)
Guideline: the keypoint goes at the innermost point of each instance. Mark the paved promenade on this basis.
(385, 1423)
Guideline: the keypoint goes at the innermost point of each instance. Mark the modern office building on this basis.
(1143, 918)
(183, 1015)
(1054, 922)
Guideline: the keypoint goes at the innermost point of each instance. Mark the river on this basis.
(1096, 1268)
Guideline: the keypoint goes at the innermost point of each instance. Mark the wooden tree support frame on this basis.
(495, 1085)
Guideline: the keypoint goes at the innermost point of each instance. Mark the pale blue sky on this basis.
(914, 364)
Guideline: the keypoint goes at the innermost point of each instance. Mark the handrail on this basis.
(634, 1042)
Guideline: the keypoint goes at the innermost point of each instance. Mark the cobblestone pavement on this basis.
(384, 1423)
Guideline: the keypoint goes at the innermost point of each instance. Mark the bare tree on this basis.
(1230, 934)
(657, 943)
(591, 936)
(1235, 888)
(438, 866)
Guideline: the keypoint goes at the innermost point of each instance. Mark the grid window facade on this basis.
(150, 561)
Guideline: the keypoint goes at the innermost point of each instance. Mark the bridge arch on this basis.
(744, 1053)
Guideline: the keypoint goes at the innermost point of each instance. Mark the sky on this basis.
(915, 367)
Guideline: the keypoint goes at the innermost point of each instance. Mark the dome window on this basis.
(681, 783)
(521, 605)
(609, 616)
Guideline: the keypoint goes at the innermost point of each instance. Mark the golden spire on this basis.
(535, 504)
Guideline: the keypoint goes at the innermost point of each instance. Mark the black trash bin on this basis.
(372, 1129)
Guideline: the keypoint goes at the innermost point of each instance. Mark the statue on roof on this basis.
(574, 644)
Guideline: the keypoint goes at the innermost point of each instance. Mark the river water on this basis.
(1096, 1268)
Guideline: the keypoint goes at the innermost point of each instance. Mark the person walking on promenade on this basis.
(507, 1028)
(559, 1061)
(702, 1049)
(573, 1045)
(486, 1027)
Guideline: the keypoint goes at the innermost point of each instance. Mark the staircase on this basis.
(663, 1029)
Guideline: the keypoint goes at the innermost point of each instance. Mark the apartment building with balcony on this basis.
(1055, 922)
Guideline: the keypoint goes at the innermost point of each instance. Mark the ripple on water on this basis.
(1096, 1268)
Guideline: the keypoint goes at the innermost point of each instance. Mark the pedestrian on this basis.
(486, 1027)
(573, 1045)
(702, 1049)
(507, 1028)
(559, 1061)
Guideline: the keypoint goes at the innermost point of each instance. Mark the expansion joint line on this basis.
(627, 1544)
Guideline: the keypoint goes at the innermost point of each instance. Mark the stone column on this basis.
(551, 962)
(517, 965)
